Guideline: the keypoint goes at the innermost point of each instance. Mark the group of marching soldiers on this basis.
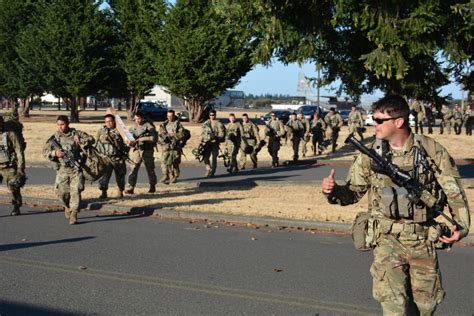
(66, 146)
(454, 117)
(243, 139)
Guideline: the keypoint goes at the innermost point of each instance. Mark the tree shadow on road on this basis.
(17, 246)
(16, 308)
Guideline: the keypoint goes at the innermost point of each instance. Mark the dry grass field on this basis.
(302, 202)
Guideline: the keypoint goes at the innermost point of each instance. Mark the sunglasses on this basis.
(382, 120)
(212, 115)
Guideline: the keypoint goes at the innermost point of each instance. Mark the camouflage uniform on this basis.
(334, 123)
(355, 123)
(274, 129)
(457, 120)
(12, 158)
(69, 181)
(297, 131)
(469, 121)
(110, 144)
(446, 120)
(404, 246)
(213, 133)
(143, 152)
(418, 111)
(307, 135)
(233, 141)
(317, 135)
(250, 137)
(169, 137)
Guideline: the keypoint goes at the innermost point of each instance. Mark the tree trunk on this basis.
(24, 107)
(195, 110)
(82, 103)
(74, 118)
(95, 104)
(59, 104)
(133, 106)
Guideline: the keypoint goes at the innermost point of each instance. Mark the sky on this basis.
(281, 79)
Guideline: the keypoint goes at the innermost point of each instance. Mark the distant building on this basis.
(159, 94)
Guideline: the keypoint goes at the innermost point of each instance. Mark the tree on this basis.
(200, 55)
(68, 44)
(406, 47)
(16, 81)
(138, 21)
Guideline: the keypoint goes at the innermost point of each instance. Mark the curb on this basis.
(325, 227)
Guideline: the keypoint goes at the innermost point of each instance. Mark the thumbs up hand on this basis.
(329, 182)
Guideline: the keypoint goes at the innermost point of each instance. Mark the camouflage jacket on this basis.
(334, 120)
(250, 131)
(109, 142)
(147, 132)
(234, 132)
(212, 131)
(317, 126)
(66, 140)
(457, 116)
(447, 114)
(355, 118)
(296, 128)
(275, 128)
(170, 134)
(443, 171)
(11, 150)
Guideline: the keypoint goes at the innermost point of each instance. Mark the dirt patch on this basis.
(301, 202)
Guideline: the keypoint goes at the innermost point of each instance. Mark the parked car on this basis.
(152, 111)
(282, 115)
(369, 120)
(183, 116)
(345, 115)
(309, 110)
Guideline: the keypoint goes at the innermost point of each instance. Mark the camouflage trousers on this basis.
(273, 148)
(170, 160)
(136, 158)
(355, 128)
(210, 157)
(317, 141)
(69, 185)
(9, 175)
(405, 271)
(304, 141)
(120, 169)
(243, 155)
(295, 143)
(445, 125)
(233, 150)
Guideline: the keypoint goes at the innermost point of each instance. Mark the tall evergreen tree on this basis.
(69, 44)
(16, 81)
(200, 55)
(138, 22)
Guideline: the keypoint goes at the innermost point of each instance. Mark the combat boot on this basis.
(164, 179)
(152, 189)
(120, 194)
(15, 211)
(67, 212)
(208, 173)
(129, 190)
(73, 218)
(104, 194)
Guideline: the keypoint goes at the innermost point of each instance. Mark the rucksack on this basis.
(16, 127)
(93, 163)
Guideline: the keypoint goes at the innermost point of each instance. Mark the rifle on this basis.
(200, 150)
(225, 157)
(417, 193)
(69, 158)
(260, 145)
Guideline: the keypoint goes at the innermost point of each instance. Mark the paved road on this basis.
(142, 266)
(304, 171)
